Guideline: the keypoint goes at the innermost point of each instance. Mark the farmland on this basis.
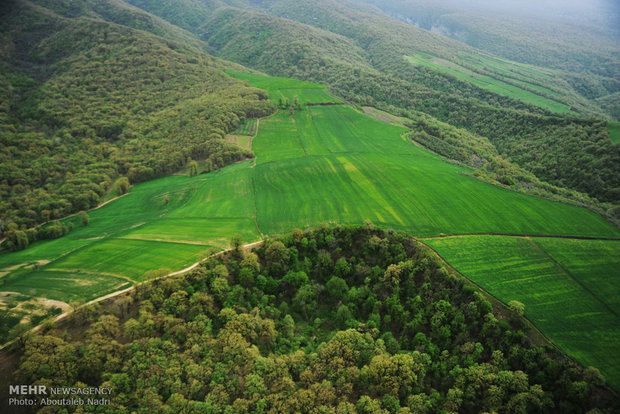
(569, 288)
(491, 83)
(333, 164)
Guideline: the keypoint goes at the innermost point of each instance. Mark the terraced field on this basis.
(334, 164)
(490, 83)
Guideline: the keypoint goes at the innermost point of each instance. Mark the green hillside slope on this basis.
(567, 286)
(316, 164)
(86, 101)
(342, 319)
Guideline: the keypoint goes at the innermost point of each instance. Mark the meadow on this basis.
(569, 288)
(334, 164)
(491, 83)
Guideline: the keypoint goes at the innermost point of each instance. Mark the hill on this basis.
(369, 63)
(317, 164)
(351, 319)
(86, 101)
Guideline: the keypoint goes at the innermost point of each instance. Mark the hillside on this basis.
(317, 164)
(368, 63)
(577, 43)
(87, 101)
(351, 319)
(459, 209)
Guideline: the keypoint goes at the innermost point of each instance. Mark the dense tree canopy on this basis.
(85, 101)
(344, 320)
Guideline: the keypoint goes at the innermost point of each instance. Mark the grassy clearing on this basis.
(65, 286)
(355, 168)
(131, 258)
(614, 131)
(138, 233)
(285, 88)
(242, 141)
(517, 269)
(248, 127)
(505, 67)
(489, 83)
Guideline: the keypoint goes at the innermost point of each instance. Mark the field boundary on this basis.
(127, 290)
(531, 324)
(524, 236)
(570, 275)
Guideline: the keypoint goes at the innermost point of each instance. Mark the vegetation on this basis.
(337, 319)
(81, 100)
(587, 51)
(363, 63)
(487, 82)
(565, 286)
(319, 164)
(614, 131)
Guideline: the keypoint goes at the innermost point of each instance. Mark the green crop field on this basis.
(489, 83)
(593, 263)
(560, 303)
(333, 164)
(248, 127)
(614, 131)
(286, 88)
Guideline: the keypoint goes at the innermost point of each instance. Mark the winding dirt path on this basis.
(129, 289)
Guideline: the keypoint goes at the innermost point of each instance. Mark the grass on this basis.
(593, 263)
(614, 131)
(342, 166)
(489, 83)
(560, 303)
(334, 164)
(65, 286)
(243, 141)
(136, 234)
(285, 88)
(248, 127)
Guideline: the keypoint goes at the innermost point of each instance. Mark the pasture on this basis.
(566, 306)
(490, 83)
(333, 164)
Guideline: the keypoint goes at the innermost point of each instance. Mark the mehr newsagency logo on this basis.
(41, 395)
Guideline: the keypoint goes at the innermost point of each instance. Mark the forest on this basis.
(91, 102)
(338, 319)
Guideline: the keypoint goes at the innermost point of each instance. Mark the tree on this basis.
(84, 218)
(336, 288)
(21, 240)
(516, 307)
(236, 243)
(121, 186)
(193, 168)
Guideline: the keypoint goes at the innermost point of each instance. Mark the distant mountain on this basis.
(365, 57)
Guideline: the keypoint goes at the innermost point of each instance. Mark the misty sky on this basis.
(594, 12)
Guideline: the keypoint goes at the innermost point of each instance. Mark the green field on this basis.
(490, 83)
(333, 164)
(614, 131)
(286, 88)
(574, 303)
(247, 127)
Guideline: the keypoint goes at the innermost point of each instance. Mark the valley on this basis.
(322, 164)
